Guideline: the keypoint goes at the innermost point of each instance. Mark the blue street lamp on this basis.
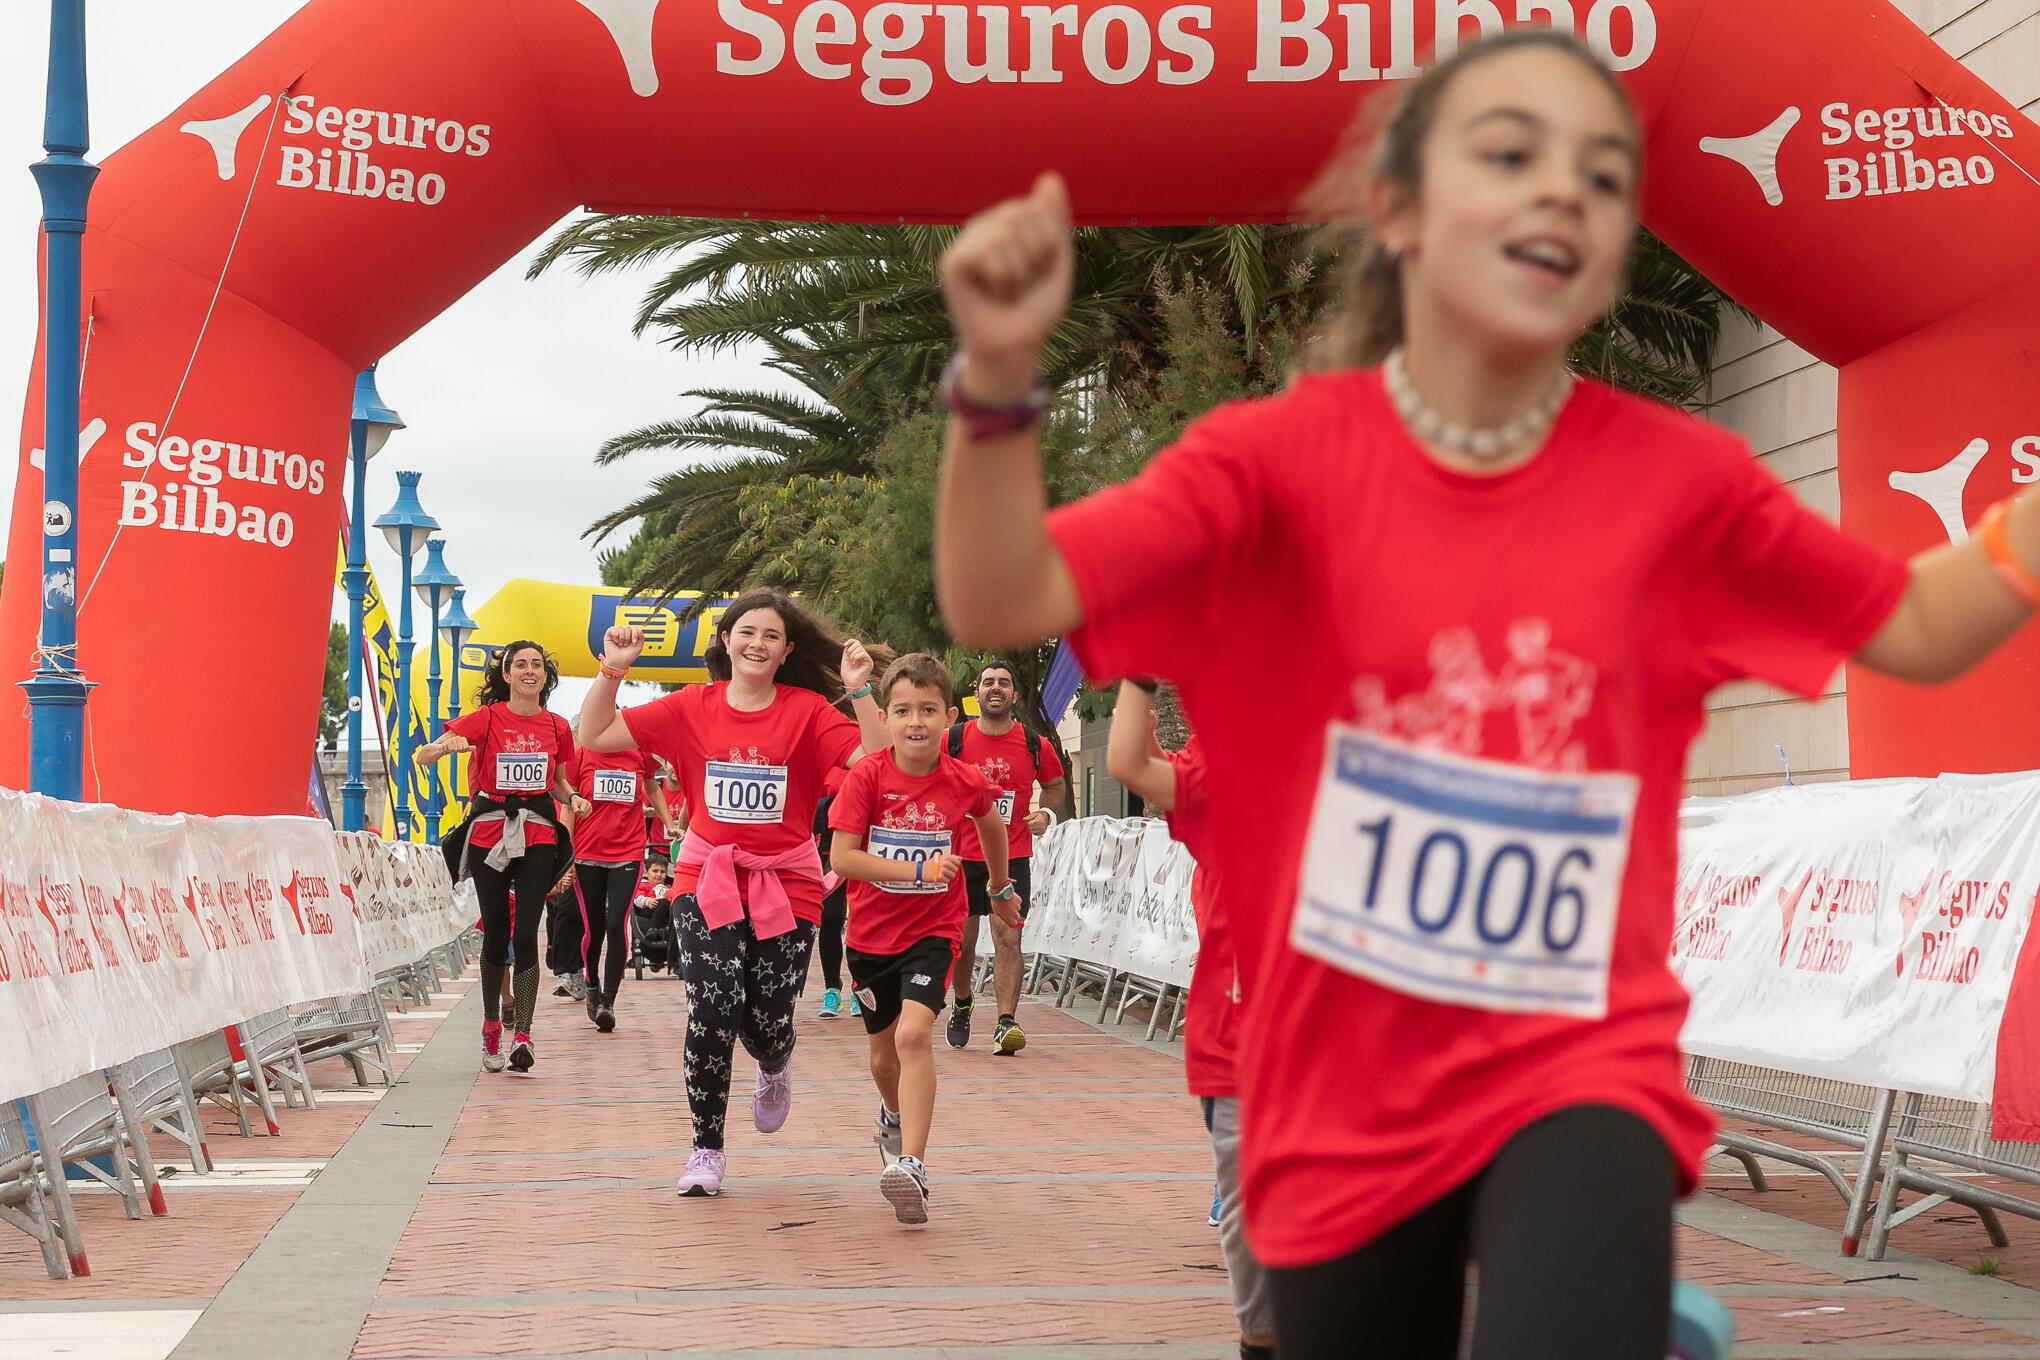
(57, 690)
(456, 628)
(435, 586)
(369, 430)
(406, 526)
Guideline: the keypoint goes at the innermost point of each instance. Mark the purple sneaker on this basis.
(773, 1100)
(703, 1175)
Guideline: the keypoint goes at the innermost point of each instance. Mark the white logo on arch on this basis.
(223, 135)
(88, 435)
(1758, 152)
(630, 23)
(1942, 488)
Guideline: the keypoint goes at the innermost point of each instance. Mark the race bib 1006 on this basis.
(614, 786)
(753, 794)
(910, 847)
(1004, 804)
(1464, 881)
(520, 772)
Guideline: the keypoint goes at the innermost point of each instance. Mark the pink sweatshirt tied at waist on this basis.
(716, 889)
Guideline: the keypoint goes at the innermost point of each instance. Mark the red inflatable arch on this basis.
(1822, 159)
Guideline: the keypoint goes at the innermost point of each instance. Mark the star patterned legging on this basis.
(738, 987)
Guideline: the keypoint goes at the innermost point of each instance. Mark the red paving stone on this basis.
(190, 1254)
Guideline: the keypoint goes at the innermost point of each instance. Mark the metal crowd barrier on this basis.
(1890, 1134)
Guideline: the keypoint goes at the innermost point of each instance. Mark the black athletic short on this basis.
(920, 972)
(977, 885)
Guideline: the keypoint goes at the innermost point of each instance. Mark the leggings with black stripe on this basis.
(606, 890)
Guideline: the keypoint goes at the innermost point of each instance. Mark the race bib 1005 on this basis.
(1464, 881)
(614, 786)
(753, 794)
(910, 847)
(520, 772)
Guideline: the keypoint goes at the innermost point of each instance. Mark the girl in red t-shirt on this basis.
(609, 854)
(752, 750)
(1491, 598)
(518, 757)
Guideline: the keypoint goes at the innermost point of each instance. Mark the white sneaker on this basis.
(904, 1183)
(560, 985)
(887, 1137)
(577, 987)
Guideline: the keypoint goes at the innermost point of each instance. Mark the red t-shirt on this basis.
(1211, 1029)
(1003, 761)
(614, 783)
(750, 779)
(902, 816)
(1567, 615)
(513, 754)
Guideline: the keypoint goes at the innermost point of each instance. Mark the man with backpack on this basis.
(1014, 759)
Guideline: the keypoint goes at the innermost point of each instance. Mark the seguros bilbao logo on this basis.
(1875, 152)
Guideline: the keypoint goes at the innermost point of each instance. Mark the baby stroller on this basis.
(654, 943)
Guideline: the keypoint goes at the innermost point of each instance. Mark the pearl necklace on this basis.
(1485, 445)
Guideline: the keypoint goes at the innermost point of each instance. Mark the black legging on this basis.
(738, 987)
(525, 876)
(1571, 1227)
(606, 890)
(563, 932)
(835, 912)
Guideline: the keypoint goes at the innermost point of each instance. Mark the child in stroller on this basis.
(654, 944)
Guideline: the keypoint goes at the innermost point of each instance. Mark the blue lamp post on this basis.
(406, 526)
(57, 690)
(435, 586)
(370, 429)
(456, 628)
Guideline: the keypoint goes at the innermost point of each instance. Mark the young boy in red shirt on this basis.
(894, 824)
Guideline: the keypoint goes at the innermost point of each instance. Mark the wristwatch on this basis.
(990, 422)
(1009, 891)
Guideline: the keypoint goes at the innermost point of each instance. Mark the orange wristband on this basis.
(1998, 551)
(612, 674)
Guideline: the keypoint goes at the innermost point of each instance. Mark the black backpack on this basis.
(1033, 744)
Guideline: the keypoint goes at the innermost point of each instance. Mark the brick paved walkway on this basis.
(464, 1215)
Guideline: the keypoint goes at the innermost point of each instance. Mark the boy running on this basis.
(894, 825)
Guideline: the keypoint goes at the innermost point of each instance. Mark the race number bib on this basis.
(910, 847)
(520, 772)
(745, 793)
(1464, 881)
(614, 786)
(1004, 804)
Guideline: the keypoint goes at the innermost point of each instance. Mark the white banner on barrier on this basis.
(125, 932)
(1863, 931)
(1115, 893)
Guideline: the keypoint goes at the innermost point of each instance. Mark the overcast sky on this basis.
(506, 395)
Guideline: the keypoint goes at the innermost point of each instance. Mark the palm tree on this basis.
(852, 315)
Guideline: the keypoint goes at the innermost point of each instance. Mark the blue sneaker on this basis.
(1217, 1203)
(855, 1009)
(1701, 1328)
(832, 1004)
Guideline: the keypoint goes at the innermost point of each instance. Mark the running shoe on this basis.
(855, 1007)
(904, 1183)
(561, 987)
(577, 987)
(888, 1135)
(959, 1023)
(1217, 1203)
(773, 1100)
(832, 1004)
(523, 1053)
(605, 1019)
(1008, 1038)
(703, 1175)
(492, 1045)
(594, 1008)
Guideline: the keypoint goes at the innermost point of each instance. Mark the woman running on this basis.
(517, 763)
(752, 749)
(609, 853)
(1491, 598)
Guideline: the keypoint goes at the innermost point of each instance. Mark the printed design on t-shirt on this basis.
(1548, 691)
(747, 756)
(522, 743)
(912, 816)
(998, 770)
